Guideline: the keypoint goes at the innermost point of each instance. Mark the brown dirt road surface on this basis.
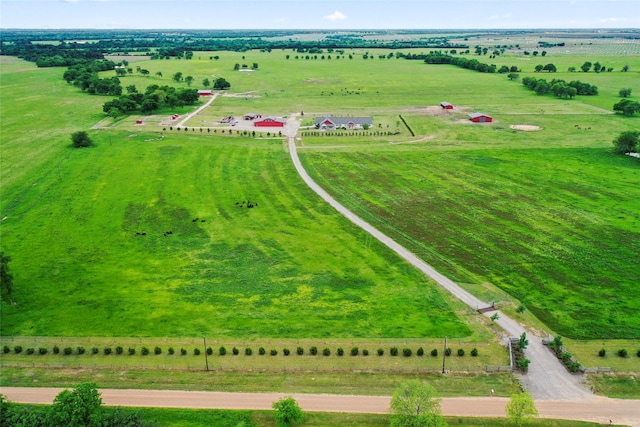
(599, 409)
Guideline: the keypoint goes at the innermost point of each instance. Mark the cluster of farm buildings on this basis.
(474, 117)
(332, 123)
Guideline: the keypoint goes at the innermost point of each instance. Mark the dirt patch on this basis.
(415, 141)
(250, 94)
(526, 128)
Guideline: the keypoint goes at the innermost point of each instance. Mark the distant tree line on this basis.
(471, 64)
(20, 43)
(62, 55)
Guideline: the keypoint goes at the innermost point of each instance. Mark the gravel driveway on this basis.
(547, 378)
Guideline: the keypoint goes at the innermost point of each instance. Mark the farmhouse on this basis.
(331, 123)
(446, 105)
(205, 92)
(480, 118)
(270, 122)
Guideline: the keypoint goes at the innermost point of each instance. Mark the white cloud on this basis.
(336, 16)
(612, 20)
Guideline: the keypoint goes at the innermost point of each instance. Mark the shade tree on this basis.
(287, 411)
(521, 408)
(627, 107)
(415, 404)
(627, 142)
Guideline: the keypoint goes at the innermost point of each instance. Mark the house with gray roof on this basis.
(332, 123)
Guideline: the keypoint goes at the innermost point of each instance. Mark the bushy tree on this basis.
(81, 139)
(415, 404)
(521, 408)
(221, 84)
(288, 412)
(626, 142)
(627, 107)
(78, 408)
(523, 342)
(625, 92)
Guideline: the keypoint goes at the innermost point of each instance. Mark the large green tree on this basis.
(221, 84)
(521, 408)
(627, 142)
(415, 404)
(78, 408)
(627, 107)
(288, 413)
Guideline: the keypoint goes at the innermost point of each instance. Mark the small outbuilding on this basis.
(480, 118)
(138, 122)
(446, 105)
(252, 116)
(205, 92)
(270, 122)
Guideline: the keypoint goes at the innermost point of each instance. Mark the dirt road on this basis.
(626, 412)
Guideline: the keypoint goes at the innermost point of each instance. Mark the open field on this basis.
(235, 272)
(547, 230)
(546, 218)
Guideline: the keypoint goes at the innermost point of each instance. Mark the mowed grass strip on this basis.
(552, 227)
(354, 383)
(261, 355)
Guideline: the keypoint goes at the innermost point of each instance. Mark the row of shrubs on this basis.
(564, 356)
(230, 131)
(222, 351)
(621, 353)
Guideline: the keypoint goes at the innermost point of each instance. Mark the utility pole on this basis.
(444, 355)
(206, 357)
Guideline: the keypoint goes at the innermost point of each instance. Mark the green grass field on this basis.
(291, 268)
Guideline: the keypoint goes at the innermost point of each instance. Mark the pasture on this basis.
(529, 212)
(289, 267)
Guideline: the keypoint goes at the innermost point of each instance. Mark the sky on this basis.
(313, 14)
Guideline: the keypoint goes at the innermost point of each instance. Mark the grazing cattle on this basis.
(194, 220)
(144, 233)
(204, 220)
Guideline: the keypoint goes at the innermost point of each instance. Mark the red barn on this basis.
(480, 118)
(205, 92)
(446, 105)
(270, 122)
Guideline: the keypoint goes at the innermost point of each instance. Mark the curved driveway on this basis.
(547, 379)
